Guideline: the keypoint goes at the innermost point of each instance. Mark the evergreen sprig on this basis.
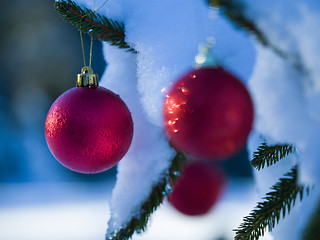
(139, 222)
(268, 155)
(312, 230)
(268, 213)
(235, 10)
(94, 24)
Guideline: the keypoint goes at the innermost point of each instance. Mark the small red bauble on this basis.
(198, 188)
(89, 130)
(208, 114)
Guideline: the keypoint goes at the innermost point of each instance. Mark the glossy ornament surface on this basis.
(208, 114)
(89, 130)
(198, 188)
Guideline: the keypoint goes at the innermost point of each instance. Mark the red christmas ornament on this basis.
(208, 114)
(88, 128)
(198, 188)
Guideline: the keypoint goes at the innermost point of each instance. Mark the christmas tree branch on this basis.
(312, 230)
(94, 24)
(268, 213)
(163, 188)
(269, 155)
(235, 11)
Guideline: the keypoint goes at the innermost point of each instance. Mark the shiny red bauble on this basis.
(198, 188)
(89, 130)
(208, 114)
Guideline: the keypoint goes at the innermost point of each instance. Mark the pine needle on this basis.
(269, 155)
(268, 213)
(94, 24)
(139, 222)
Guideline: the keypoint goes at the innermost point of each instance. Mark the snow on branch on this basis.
(94, 24)
(267, 213)
(164, 187)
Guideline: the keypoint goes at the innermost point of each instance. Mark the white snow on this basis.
(278, 92)
(145, 161)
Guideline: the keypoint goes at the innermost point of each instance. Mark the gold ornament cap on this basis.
(87, 78)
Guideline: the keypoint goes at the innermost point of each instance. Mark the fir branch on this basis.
(312, 230)
(235, 10)
(269, 155)
(93, 23)
(268, 213)
(163, 188)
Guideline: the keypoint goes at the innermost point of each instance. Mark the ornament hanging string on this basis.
(83, 54)
(96, 9)
(90, 57)
(81, 38)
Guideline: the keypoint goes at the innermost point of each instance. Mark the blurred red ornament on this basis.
(208, 114)
(89, 129)
(198, 188)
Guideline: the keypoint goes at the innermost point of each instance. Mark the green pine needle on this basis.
(276, 203)
(268, 155)
(94, 24)
(139, 222)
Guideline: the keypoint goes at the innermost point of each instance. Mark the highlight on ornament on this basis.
(88, 128)
(208, 114)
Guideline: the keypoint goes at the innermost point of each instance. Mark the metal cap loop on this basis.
(87, 78)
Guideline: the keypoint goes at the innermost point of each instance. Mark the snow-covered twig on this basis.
(159, 191)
